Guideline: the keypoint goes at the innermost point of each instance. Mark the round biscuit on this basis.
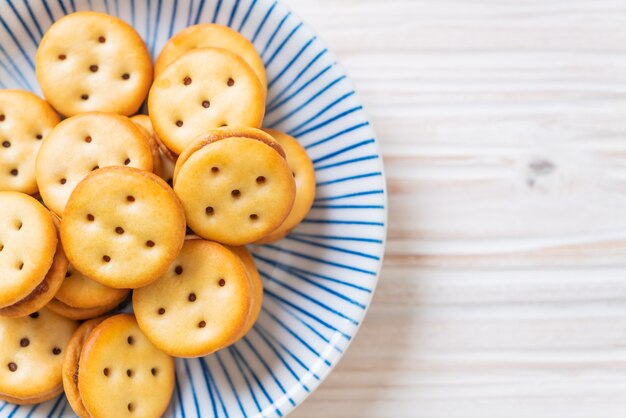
(46, 290)
(28, 242)
(199, 305)
(81, 144)
(122, 227)
(211, 35)
(71, 365)
(79, 291)
(89, 61)
(80, 314)
(235, 190)
(143, 122)
(121, 374)
(204, 88)
(304, 176)
(31, 355)
(25, 120)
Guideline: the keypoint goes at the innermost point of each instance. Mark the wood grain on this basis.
(503, 128)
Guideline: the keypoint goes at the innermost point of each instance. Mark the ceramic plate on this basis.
(320, 279)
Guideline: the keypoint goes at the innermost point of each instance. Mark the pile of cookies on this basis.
(98, 201)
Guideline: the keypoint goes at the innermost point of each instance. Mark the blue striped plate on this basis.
(320, 279)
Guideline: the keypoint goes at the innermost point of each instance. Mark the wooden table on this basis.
(503, 128)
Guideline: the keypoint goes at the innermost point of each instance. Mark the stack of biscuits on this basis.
(98, 201)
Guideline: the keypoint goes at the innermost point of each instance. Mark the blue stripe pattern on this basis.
(320, 279)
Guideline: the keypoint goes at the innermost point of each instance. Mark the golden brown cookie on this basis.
(211, 35)
(234, 190)
(80, 314)
(45, 291)
(122, 227)
(199, 305)
(121, 374)
(304, 175)
(256, 286)
(81, 144)
(71, 365)
(79, 291)
(203, 89)
(89, 61)
(28, 242)
(25, 120)
(143, 122)
(31, 356)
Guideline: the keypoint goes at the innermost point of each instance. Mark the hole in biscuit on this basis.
(19, 225)
(102, 39)
(130, 407)
(119, 230)
(2, 117)
(24, 342)
(127, 161)
(150, 243)
(62, 57)
(90, 217)
(130, 340)
(93, 68)
(215, 169)
(106, 371)
(88, 139)
(63, 180)
(129, 373)
(84, 97)
(20, 266)
(34, 315)
(125, 76)
(235, 193)
(209, 210)
(1, 247)
(230, 82)
(201, 324)
(187, 81)
(14, 172)
(6, 144)
(56, 351)
(178, 270)
(254, 217)
(130, 198)
(39, 137)
(221, 282)
(106, 258)
(179, 123)
(293, 174)
(153, 371)
(95, 167)
(260, 180)
(206, 104)
(68, 274)
(12, 366)
(192, 297)
(161, 311)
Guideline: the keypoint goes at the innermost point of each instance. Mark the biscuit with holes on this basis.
(121, 374)
(31, 356)
(256, 288)
(122, 227)
(234, 190)
(203, 89)
(199, 305)
(28, 242)
(304, 175)
(71, 365)
(89, 61)
(80, 314)
(81, 144)
(143, 122)
(79, 291)
(46, 290)
(25, 120)
(211, 35)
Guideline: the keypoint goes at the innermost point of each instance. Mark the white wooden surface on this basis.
(503, 127)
